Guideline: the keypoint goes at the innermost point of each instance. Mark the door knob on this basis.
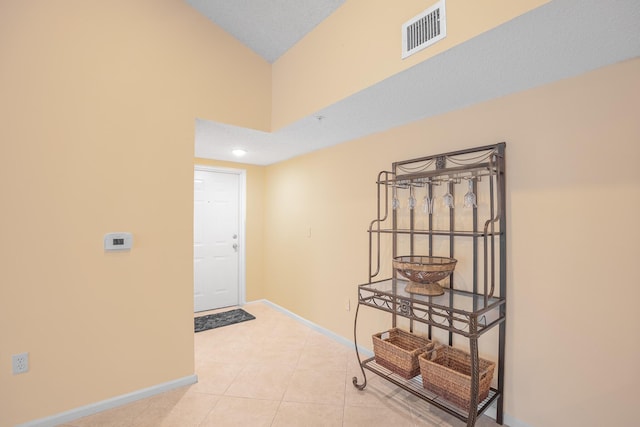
(235, 247)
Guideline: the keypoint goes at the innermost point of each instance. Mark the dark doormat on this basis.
(211, 321)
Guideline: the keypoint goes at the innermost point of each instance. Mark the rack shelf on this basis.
(465, 313)
(414, 386)
(470, 314)
(456, 233)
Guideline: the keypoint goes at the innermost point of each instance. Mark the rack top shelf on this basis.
(463, 164)
(481, 169)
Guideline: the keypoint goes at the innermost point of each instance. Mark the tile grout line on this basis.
(209, 412)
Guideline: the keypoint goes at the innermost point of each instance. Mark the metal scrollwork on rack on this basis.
(445, 318)
(404, 307)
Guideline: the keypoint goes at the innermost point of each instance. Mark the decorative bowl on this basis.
(424, 272)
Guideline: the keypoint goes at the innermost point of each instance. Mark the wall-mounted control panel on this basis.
(118, 241)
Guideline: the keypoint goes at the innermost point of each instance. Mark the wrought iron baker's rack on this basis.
(468, 313)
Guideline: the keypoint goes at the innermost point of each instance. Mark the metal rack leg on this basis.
(501, 351)
(355, 341)
(475, 364)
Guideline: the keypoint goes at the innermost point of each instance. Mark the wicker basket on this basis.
(446, 371)
(399, 352)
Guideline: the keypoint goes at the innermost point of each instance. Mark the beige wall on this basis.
(254, 224)
(98, 108)
(573, 199)
(361, 44)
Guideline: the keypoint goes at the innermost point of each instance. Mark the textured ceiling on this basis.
(268, 27)
(561, 39)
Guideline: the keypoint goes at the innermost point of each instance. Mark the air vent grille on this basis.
(424, 30)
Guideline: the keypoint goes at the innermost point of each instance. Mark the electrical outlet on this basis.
(20, 363)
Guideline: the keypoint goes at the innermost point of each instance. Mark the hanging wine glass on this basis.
(395, 203)
(448, 197)
(470, 197)
(412, 198)
(427, 204)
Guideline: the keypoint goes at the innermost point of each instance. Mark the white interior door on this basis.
(216, 239)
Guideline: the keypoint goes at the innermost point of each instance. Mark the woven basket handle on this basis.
(433, 354)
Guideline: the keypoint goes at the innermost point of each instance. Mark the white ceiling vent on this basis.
(424, 30)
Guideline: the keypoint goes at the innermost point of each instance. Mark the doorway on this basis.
(218, 237)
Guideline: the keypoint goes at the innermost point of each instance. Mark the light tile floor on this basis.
(275, 371)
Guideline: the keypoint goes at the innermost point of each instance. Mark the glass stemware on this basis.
(427, 205)
(470, 197)
(395, 203)
(448, 198)
(412, 199)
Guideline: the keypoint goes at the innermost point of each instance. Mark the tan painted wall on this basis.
(80, 100)
(573, 200)
(98, 109)
(254, 224)
(361, 44)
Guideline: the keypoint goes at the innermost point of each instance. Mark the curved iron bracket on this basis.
(355, 341)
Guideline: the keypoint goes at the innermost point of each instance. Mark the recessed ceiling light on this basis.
(239, 152)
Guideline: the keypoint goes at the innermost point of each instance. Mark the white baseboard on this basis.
(490, 412)
(508, 419)
(340, 339)
(103, 405)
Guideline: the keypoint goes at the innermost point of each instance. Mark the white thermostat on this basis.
(118, 241)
